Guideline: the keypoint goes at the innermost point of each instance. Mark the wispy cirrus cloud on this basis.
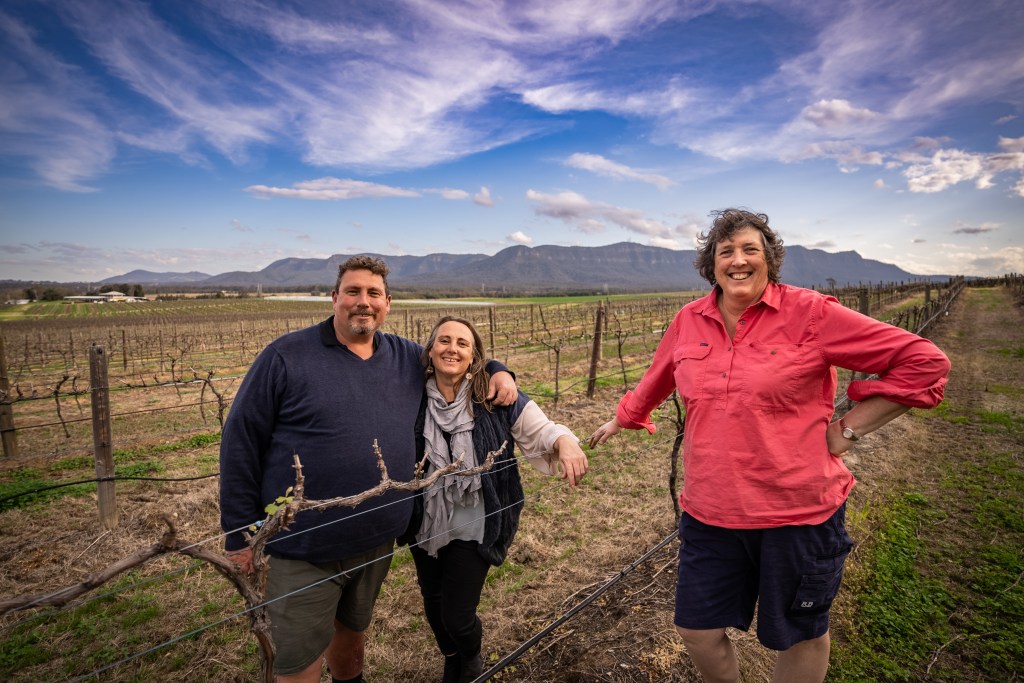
(50, 119)
(598, 164)
(332, 189)
(339, 189)
(976, 229)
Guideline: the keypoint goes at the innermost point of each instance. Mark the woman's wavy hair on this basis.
(477, 368)
(727, 223)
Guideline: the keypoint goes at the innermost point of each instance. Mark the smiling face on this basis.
(452, 352)
(361, 304)
(740, 267)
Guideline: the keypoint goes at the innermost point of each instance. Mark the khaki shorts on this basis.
(302, 623)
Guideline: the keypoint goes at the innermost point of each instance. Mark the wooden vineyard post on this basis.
(595, 355)
(101, 436)
(7, 433)
(490, 318)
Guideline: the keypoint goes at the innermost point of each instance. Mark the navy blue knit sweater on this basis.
(308, 394)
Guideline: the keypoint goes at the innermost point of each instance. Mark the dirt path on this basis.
(627, 634)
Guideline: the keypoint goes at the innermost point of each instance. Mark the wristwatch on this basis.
(847, 432)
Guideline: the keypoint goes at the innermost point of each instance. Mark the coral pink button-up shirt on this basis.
(757, 405)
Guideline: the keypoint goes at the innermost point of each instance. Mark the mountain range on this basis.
(622, 267)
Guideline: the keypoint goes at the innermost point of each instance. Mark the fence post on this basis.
(101, 436)
(7, 433)
(865, 303)
(595, 355)
(490, 318)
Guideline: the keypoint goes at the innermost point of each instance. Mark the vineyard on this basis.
(172, 369)
(172, 366)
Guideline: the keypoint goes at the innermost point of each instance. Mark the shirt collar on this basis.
(329, 338)
(770, 297)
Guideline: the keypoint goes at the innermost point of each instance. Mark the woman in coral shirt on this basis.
(765, 487)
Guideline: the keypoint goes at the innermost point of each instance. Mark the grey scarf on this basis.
(440, 500)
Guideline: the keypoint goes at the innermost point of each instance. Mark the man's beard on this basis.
(361, 328)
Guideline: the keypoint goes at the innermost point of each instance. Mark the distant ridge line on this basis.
(621, 267)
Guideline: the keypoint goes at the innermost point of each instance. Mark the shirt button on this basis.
(723, 374)
(743, 322)
(729, 348)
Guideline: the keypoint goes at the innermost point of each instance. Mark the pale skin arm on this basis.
(573, 460)
(606, 431)
(863, 418)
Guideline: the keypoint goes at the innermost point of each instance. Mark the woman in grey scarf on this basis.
(465, 524)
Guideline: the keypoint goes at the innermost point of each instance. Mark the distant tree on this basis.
(137, 291)
(51, 294)
(31, 294)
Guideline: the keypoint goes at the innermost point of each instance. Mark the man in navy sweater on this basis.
(326, 393)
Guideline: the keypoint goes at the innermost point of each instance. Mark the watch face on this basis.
(847, 433)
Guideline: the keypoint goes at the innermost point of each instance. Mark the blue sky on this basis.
(222, 135)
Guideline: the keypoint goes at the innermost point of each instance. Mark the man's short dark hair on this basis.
(375, 265)
(727, 223)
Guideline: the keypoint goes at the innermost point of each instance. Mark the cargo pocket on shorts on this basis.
(816, 592)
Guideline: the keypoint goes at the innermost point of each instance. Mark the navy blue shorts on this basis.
(791, 573)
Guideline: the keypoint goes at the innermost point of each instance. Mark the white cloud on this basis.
(1003, 120)
(944, 169)
(602, 166)
(849, 158)
(836, 114)
(483, 197)
(449, 193)
(325, 189)
(947, 167)
(519, 237)
(239, 226)
(879, 184)
(665, 243)
(594, 217)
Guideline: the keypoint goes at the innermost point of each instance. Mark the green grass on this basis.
(941, 577)
(125, 619)
(19, 487)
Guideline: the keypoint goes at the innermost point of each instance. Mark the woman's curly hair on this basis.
(727, 223)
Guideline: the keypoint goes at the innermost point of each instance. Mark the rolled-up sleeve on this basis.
(634, 410)
(911, 370)
(536, 434)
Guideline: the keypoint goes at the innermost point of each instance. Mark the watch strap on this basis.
(848, 433)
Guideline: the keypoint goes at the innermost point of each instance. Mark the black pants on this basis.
(451, 585)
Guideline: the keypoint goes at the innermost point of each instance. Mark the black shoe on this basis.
(471, 669)
(452, 666)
